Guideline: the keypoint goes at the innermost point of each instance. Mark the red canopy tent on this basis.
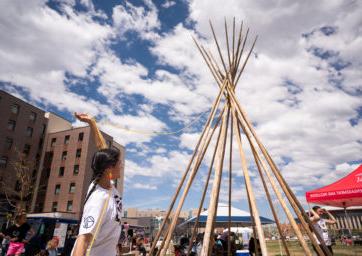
(342, 193)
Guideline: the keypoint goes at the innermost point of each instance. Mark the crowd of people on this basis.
(15, 239)
(220, 245)
(132, 241)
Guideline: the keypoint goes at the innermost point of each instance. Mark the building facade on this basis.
(141, 213)
(59, 157)
(66, 169)
(22, 133)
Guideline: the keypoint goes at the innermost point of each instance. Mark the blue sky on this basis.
(133, 64)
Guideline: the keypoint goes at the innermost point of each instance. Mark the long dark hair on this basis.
(102, 160)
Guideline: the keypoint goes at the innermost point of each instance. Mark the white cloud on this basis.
(178, 50)
(144, 186)
(171, 165)
(286, 90)
(128, 78)
(131, 128)
(189, 140)
(161, 150)
(137, 18)
(168, 4)
(310, 126)
(41, 46)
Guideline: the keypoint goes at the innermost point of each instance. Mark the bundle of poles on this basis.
(227, 113)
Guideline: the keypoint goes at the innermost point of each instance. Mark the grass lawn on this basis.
(296, 249)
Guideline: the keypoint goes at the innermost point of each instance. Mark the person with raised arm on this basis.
(321, 223)
(100, 223)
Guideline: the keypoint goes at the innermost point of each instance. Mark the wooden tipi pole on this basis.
(205, 251)
(230, 183)
(270, 202)
(204, 193)
(283, 185)
(249, 185)
(195, 168)
(201, 139)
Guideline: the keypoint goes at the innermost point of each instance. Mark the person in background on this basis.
(17, 234)
(197, 245)
(140, 246)
(52, 246)
(43, 253)
(4, 244)
(254, 246)
(321, 218)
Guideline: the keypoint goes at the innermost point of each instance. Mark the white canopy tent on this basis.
(239, 218)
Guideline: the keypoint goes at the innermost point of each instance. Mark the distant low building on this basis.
(137, 213)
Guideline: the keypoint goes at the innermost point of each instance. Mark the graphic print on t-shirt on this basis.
(88, 222)
(118, 202)
(95, 212)
(16, 233)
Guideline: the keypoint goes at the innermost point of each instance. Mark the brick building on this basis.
(22, 131)
(59, 154)
(66, 169)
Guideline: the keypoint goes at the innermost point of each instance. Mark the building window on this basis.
(29, 131)
(72, 187)
(17, 186)
(11, 125)
(8, 143)
(64, 155)
(52, 144)
(80, 136)
(40, 143)
(55, 206)
(26, 150)
(32, 116)
(69, 206)
(15, 109)
(57, 189)
(76, 170)
(43, 129)
(66, 139)
(47, 172)
(61, 171)
(78, 153)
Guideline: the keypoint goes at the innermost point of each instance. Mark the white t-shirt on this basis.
(110, 228)
(322, 229)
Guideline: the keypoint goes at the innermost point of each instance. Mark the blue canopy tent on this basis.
(239, 218)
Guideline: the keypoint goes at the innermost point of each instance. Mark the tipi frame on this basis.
(232, 121)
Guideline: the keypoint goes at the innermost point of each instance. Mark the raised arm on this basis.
(331, 219)
(315, 217)
(98, 137)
